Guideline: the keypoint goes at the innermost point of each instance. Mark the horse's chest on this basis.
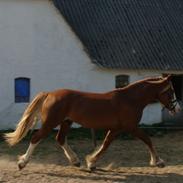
(130, 115)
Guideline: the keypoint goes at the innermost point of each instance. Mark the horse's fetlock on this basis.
(90, 161)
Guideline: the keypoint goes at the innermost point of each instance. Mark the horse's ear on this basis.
(169, 77)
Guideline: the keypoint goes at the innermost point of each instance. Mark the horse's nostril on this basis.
(178, 108)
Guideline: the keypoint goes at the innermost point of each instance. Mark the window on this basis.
(22, 90)
(122, 81)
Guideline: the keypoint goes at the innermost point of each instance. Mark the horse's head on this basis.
(167, 96)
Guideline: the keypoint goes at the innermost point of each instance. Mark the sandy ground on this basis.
(126, 161)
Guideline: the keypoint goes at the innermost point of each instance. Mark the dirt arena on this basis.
(126, 161)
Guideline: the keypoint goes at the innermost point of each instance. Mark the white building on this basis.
(39, 48)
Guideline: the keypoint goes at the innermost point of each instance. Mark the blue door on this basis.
(22, 90)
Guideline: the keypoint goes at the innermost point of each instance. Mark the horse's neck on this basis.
(144, 93)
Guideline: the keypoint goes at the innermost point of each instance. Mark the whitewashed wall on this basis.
(36, 42)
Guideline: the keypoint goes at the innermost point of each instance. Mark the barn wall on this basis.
(37, 43)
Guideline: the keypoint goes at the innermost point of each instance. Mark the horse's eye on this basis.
(172, 94)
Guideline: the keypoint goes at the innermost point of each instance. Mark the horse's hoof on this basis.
(92, 169)
(21, 165)
(90, 165)
(160, 164)
(77, 164)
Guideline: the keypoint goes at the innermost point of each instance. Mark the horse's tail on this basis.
(27, 121)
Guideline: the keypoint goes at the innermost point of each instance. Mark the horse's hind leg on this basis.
(91, 159)
(62, 140)
(155, 159)
(36, 138)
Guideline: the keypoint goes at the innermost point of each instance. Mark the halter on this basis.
(171, 106)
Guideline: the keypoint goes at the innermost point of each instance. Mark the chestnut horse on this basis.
(116, 111)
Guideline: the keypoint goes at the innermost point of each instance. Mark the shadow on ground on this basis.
(117, 176)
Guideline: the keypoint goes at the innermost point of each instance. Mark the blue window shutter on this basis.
(22, 90)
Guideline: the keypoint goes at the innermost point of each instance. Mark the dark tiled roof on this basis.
(128, 34)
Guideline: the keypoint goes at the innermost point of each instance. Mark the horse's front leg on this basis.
(155, 159)
(91, 159)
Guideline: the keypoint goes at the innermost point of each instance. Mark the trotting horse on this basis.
(116, 111)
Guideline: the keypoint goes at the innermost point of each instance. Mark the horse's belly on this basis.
(93, 113)
(107, 121)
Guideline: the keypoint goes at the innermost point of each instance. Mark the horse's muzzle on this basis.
(175, 109)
